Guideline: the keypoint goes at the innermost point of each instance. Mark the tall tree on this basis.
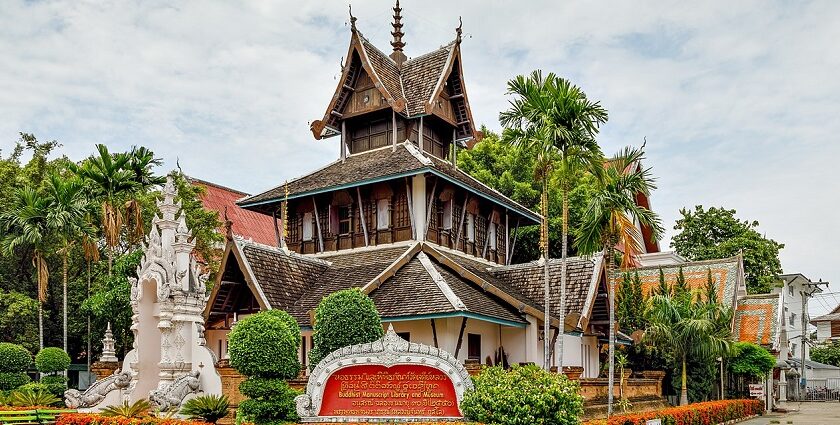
(610, 220)
(663, 288)
(111, 181)
(717, 233)
(66, 208)
(690, 330)
(554, 118)
(25, 226)
(140, 163)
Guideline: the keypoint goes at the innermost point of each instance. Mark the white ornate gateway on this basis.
(169, 360)
(388, 379)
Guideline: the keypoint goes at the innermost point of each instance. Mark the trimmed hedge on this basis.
(266, 345)
(523, 395)
(52, 360)
(14, 358)
(343, 318)
(706, 413)
(12, 380)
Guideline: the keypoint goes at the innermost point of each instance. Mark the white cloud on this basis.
(738, 100)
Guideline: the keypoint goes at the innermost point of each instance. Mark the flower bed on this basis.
(707, 413)
(8, 408)
(92, 419)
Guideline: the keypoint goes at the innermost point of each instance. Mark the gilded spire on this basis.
(397, 55)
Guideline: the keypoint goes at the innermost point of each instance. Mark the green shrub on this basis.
(33, 397)
(52, 360)
(210, 408)
(751, 360)
(524, 395)
(270, 401)
(13, 380)
(343, 318)
(14, 358)
(266, 345)
(55, 384)
(138, 409)
(56, 390)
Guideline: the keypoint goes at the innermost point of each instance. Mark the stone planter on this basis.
(573, 372)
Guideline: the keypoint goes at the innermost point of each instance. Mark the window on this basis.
(492, 235)
(303, 358)
(474, 347)
(383, 214)
(793, 347)
(404, 335)
(793, 318)
(446, 212)
(307, 226)
(790, 289)
(345, 220)
(470, 227)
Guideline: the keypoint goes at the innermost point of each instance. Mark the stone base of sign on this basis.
(388, 380)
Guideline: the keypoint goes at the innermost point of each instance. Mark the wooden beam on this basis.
(460, 337)
(410, 206)
(434, 333)
(513, 245)
(429, 209)
(507, 235)
(454, 149)
(420, 135)
(318, 225)
(461, 223)
(362, 215)
(277, 229)
(393, 130)
(342, 144)
(336, 113)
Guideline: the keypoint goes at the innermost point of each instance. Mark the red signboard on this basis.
(399, 391)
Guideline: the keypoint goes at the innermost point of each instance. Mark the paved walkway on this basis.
(810, 413)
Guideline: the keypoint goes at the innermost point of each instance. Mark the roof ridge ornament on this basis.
(352, 18)
(397, 55)
(458, 30)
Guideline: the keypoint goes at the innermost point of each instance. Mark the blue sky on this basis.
(738, 100)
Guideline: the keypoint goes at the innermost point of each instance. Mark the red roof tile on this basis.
(248, 224)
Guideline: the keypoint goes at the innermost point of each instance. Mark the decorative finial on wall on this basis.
(398, 56)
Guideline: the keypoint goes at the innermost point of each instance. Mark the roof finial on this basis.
(352, 18)
(458, 30)
(398, 56)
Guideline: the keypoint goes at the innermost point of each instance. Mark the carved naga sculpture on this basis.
(171, 396)
(96, 392)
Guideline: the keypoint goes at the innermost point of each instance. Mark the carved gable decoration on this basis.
(385, 379)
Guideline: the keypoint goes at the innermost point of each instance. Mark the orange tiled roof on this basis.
(757, 319)
(248, 224)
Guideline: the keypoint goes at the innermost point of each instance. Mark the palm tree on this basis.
(688, 328)
(608, 221)
(25, 225)
(553, 118)
(66, 207)
(111, 181)
(140, 163)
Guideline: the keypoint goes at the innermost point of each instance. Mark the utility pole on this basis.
(808, 290)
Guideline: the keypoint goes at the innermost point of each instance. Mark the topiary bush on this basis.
(14, 358)
(265, 344)
(264, 347)
(523, 395)
(751, 360)
(52, 360)
(13, 380)
(55, 384)
(344, 318)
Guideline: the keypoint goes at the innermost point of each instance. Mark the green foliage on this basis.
(630, 303)
(523, 395)
(209, 408)
(344, 318)
(13, 380)
(828, 353)
(204, 224)
(33, 397)
(681, 288)
(55, 384)
(110, 301)
(701, 374)
(718, 233)
(270, 401)
(711, 290)
(751, 360)
(19, 319)
(265, 345)
(14, 358)
(52, 360)
(138, 409)
(510, 170)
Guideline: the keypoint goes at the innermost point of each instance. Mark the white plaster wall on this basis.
(448, 329)
(214, 337)
(515, 343)
(823, 331)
